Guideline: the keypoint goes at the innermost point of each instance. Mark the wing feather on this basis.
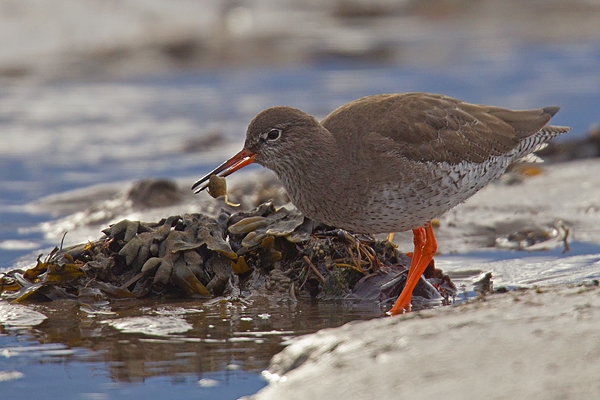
(429, 127)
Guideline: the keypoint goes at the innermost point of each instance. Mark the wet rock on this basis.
(153, 193)
(385, 287)
(535, 238)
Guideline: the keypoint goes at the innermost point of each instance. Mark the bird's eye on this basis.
(273, 134)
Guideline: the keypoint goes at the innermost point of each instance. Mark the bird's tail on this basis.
(550, 131)
(538, 141)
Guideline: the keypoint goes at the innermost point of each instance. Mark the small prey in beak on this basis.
(239, 161)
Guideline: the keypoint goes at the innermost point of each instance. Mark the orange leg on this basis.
(425, 248)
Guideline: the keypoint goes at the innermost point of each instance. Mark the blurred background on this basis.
(110, 90)
(97, 94)
(107, 39)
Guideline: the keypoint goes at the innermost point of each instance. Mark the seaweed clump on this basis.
(268, 251)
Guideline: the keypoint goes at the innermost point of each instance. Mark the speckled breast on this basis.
(407, 203)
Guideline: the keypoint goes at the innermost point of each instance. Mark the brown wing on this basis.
(429, 127)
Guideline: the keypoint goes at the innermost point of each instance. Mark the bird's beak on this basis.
(239, 161)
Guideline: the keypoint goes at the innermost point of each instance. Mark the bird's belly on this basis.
(406, 203)
(398, 209)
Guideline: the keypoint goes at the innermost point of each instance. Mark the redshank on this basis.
(390, 162)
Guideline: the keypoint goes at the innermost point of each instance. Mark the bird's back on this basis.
(422, 154)
(429, 127)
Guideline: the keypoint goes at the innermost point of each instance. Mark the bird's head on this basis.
(273, 139)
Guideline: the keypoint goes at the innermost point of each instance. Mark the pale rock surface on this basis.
(533, 344)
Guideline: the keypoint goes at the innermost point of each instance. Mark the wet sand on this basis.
(541, 344)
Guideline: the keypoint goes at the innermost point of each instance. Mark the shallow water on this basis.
(154, 348)
(71, 135)
(521, 269)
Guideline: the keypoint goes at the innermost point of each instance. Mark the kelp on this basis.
(277, 252)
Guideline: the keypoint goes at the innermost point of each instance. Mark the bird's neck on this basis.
(306, 174)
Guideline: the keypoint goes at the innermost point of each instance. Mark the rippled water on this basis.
(71, 135)
(156, 348)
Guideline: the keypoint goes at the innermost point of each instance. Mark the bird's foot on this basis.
(425, 247)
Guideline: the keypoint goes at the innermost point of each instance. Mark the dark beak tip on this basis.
(236, 162)
(199, 185)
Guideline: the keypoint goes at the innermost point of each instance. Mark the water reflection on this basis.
(145, 338)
